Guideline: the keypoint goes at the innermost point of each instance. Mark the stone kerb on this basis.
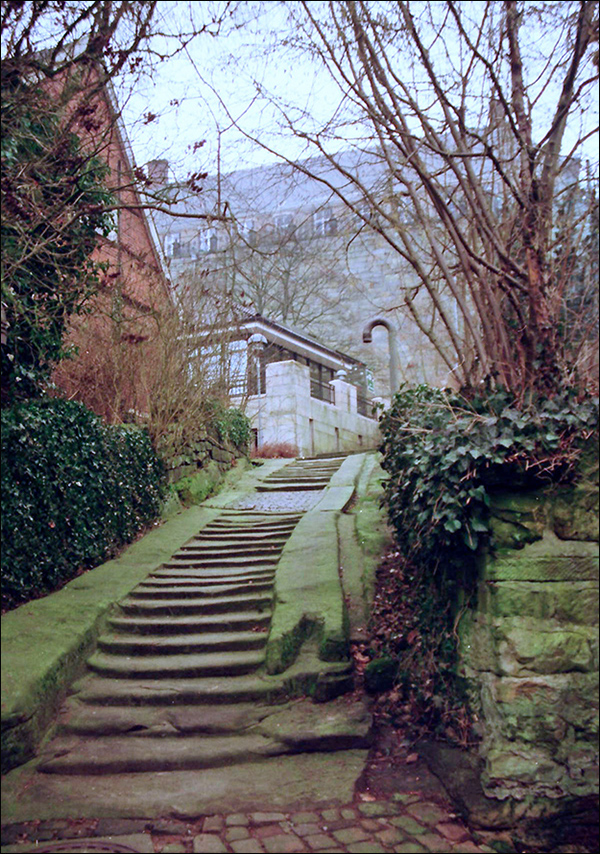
(529, 651)
(310, 603)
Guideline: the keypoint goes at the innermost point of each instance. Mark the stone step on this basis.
(123, 755)
(158, 721)
(214, 605)
(292, 486)
(220, 560)
(195, 577)
(257, 621)
(134, 644)
(168, 591)
(275, 526)
(104, 691)
(211, 576)
(238, 537)
(177, 666)
(242, 547)
(210, 551)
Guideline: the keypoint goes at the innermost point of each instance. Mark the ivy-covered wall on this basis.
(529, 649)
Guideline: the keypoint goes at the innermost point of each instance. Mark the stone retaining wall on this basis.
(529, 651)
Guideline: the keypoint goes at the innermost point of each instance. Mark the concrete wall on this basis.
(286, 412)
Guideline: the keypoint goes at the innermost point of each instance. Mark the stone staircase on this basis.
(177, 680)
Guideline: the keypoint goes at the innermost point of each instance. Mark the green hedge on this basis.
(73, 491)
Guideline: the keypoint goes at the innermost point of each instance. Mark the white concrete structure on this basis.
(289, 414)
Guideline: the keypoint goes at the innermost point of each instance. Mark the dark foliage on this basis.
(445, 452)
(54, 205)
(73, 490)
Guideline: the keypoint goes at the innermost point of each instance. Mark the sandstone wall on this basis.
(529, 650)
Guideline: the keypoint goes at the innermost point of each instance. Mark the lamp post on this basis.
(367, 337)
(256, 344)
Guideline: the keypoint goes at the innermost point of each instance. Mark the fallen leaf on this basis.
(412, 758)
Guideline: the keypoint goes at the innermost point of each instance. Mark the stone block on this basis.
(523, 765)
(565, 601)
(575, 516)
(544, 647)
(549, 559)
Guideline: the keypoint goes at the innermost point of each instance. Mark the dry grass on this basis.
(274, 450)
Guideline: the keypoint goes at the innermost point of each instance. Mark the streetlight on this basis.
(367, 337)
(256, 344)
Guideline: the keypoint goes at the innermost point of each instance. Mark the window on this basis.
(324, 222)
(208, 240)
(284, 222)
(226, 364)
(172, 242)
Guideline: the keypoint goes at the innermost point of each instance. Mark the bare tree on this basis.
(470, 125)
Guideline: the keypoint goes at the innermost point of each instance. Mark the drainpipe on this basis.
(367, 337)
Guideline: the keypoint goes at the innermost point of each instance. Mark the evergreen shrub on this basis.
(73, 491)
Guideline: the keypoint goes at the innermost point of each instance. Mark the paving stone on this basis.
(407, 823)
(411, 848)
(371, 823)
(266, 817)
(391, 836)
(237, 819)
(350, 834)
(378, 808)
(348, 813)
(285, 843)
(433, 842)
(173, 848)
(233, 833)
(427, 813)
(267, 830)
(305, 817)
(209, 843)
(247, 846)
(307, 829)
(320, 842)
(331, 815)
(453, 832)
(467, 848)
(213, 822)
(406, 797)
(365, 848)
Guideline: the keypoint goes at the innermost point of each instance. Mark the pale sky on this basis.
(188, 111)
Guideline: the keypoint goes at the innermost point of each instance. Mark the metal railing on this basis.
(364, 406)
(322, 391)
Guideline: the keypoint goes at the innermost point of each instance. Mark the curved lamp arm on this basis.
(367, 337)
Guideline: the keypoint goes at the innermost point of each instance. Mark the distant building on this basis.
(283, 243)
(295, 390)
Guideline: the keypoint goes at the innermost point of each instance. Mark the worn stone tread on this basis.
(180, 691)
(134, 644)
(122, 754)
(226, 663)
